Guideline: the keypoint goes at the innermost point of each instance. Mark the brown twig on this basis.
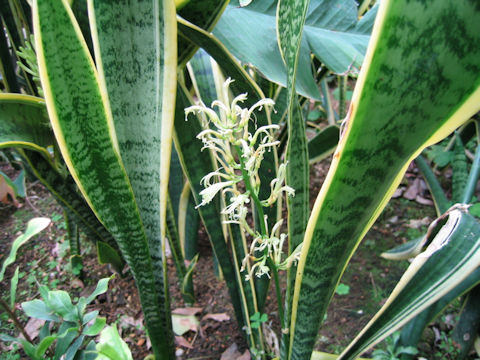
(15, 320)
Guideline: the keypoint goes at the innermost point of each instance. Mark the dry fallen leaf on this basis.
(7, 194)
(180, 340)
(413, 190)
(184, 323)
(32, 328)
(187, 311)
(231, 353)
(217, 317)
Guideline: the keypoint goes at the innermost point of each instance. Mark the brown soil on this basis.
(370, 278)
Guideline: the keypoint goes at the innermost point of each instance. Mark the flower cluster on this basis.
(239, 154)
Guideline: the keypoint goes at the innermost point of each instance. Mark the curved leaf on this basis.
(205, 15)
(24, 123)
(34, 226)
(453, 254)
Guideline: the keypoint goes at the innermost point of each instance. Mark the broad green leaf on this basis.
(24, 123)
(332, 32)
(323, 144)
(95, 328)
(39, 310)
(101, 288)
(452, 255)
(34, 226)
(403, 102)
(205, 15)
(73, 93)
(111, 346)
(60, 303)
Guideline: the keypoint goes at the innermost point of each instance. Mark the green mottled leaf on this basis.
(136, 57)
(74, 92)
(24, 123)
(382, 135)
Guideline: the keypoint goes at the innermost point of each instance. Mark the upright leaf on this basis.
(136, 56)
(81, 118)
(403, 102)
(290, 20)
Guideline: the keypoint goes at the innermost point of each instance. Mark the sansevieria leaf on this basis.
(290, 21)
(135, 51)
(24, 123)
(81, 117)
(404, 101)
(452, 255)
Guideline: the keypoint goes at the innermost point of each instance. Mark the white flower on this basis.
(236, 203)
(277, 187)
(209, 192)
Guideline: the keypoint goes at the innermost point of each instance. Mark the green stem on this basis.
(253, 194)
(278, 289)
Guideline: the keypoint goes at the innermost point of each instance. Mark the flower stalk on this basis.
(240, 154)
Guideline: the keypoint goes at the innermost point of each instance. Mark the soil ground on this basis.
(45, 259)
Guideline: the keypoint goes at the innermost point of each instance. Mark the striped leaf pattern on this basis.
(290, 20)
(403, 102)
(135, 51)
(82, 121)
